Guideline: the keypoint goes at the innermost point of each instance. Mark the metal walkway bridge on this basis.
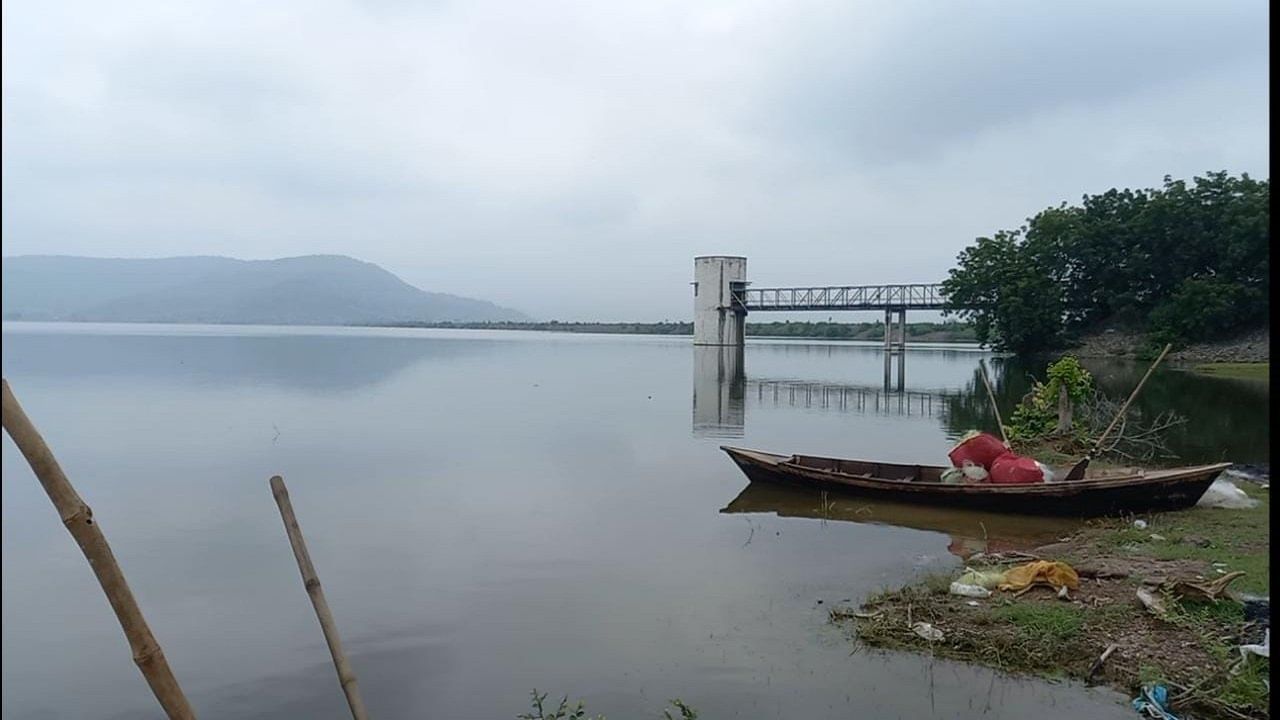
(889, 298)
(722, 299)
(846, 297)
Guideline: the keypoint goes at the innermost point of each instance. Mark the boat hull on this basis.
(1141, 492)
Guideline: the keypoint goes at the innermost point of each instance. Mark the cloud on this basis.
(570, 158)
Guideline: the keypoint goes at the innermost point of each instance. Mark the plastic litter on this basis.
(1054, 573)
(1224, 494)
(927, 631)
(987, 579)
(1140, 524)
(974, 473)
(1013, 469)
(1263, 650)
(1046, 472)
(953, 476)
(959, 588)
(1153, 702)
(978, 448)
(1153, 604)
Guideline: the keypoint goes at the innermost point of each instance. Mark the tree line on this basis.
(1181, 263)
(950, 331)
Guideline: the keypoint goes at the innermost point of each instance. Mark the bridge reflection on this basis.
(722, 391)
(846, 398)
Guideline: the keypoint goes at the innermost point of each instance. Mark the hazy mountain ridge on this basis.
(308, 290)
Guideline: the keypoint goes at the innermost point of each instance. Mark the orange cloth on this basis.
(1055, 573)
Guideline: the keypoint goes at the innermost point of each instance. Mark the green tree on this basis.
(1183, 262)
(1007, 293)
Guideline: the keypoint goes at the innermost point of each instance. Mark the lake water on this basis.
(495, 512)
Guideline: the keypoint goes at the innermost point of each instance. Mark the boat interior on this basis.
(862, 468)
(926, 473)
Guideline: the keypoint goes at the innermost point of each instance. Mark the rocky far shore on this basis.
(1251, 347)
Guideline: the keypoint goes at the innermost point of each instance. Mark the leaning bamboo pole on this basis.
(78, 519)
(346, 675)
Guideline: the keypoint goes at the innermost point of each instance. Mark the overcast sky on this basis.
(570, 158)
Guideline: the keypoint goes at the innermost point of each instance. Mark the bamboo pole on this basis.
(346, 675)
(1077, 471)
(991, 393)
(78, 519)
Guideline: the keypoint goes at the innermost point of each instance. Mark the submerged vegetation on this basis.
(1252, 371)
(1184, 262)
(577, 711)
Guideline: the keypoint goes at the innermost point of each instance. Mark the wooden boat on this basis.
(1100, 492)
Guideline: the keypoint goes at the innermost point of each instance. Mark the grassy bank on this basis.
(1252, 371)
(1190, 647)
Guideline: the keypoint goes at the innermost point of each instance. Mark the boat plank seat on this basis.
(863, 469)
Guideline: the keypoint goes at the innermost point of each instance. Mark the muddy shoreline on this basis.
(1190, 645)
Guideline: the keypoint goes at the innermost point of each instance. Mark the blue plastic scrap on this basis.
(1153, 702)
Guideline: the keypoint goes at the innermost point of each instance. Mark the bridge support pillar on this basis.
(895, 340)
(719, 318)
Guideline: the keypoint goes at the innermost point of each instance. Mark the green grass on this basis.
(1249, 687)
(1253, 371)
(1045, 622)
(1241, 539)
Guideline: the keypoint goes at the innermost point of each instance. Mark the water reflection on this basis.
(294, 361)
(1226, 418)
(719, 383)
(721, 389)
(970, 531)
(902, 370)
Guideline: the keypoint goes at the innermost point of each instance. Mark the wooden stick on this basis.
(1132, 395)
(346, 676)
(78, 519)
(992, 394)
(1097, 664)
(1077, 471)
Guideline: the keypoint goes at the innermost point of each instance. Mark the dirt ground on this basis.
(1191, 646)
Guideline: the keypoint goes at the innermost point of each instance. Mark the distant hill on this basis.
(310, 290)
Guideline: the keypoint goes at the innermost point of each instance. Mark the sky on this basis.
(569, 159)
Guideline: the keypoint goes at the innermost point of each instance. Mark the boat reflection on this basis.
(971, 531)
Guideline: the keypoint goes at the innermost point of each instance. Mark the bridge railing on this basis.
(847, 297)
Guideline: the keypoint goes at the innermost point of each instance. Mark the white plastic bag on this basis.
(959, 588)
(1224, 494)
(975, 473)
(1045, 471)
(927, 631)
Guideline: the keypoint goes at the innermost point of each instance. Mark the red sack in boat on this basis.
(981, 449)
(1011, 469)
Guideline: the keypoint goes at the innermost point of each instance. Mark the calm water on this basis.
(491, 513)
